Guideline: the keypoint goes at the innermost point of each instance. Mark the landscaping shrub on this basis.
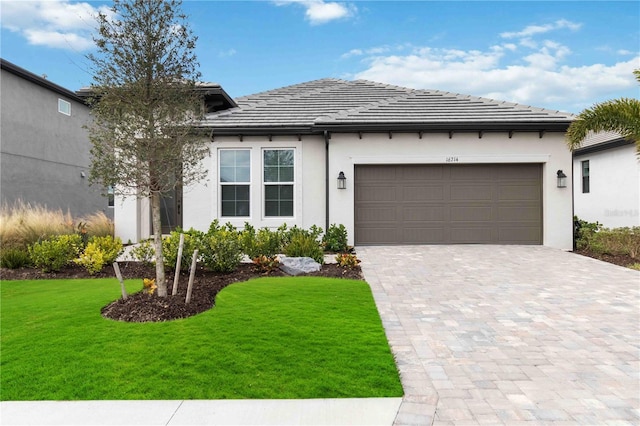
(583, 233)
(264, 243)
(617, 241)
(304, 243)
(193, 240)
(347, 260)
(335, 239)
(14, 258)
(222, 248)
(143, 252)
(55, 253)
(99, 225)
(92, 259)
(111, 247)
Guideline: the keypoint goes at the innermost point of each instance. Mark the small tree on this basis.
(617, 115)
(144, 105)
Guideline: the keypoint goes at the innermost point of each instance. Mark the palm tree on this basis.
(619, 115)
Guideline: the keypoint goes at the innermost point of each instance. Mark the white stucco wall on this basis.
(614, 196)
(201, 202)
(348, 150)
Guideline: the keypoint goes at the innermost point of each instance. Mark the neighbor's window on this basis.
(64, 107)
(278, 182)
(585, 177)
(110, 196)
(235, 178)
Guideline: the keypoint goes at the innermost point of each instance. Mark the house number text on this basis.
(451, 159)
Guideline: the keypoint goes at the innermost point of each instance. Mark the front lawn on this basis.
(292, 337)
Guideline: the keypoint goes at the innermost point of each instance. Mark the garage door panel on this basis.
(470, 235)
(377, 214)
(422, 193)
(448, 204)
(471, 213)
(471, 192)
(377, 193)
(424, 214)
(519, 192)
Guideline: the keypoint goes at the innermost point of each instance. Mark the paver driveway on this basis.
(509, 334)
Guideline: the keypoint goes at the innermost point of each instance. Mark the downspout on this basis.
(326, 179)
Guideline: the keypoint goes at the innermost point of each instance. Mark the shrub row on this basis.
(222, 248)
(592, 236)
(54, 253)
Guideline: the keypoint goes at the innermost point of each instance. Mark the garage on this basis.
(448, 204)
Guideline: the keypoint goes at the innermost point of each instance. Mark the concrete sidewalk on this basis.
(354, 411)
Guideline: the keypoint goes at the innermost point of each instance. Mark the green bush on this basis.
(92, 259)
(55, 253)
(335, 239)
(304, 243)
(143, 252)
(264, 243)
(584, 232)
(347, 260)
(222, 248)
(110, 247)
(193, 240)
(617, 241)
(14, 258)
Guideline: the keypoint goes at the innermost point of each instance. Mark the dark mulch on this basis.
(141, 307)
(617, 259)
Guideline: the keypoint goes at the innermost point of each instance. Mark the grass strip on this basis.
(293, 337)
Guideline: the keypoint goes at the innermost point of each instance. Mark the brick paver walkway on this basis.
(509, 334)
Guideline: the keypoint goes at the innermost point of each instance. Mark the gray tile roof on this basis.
(333, 104)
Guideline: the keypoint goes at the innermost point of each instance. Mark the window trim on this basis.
(292, 183)
(234, 183)
(64, 107)
(586, 177)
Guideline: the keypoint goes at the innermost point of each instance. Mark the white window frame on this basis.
(64, 107)
(235, 183)
(265, 184)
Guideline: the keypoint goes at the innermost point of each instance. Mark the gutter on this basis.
(602, 147)
(327, 136)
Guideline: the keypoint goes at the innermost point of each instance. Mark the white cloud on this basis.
(227, 53)
(532, 73)
(532, 30)
(320, 12)
(57, 24)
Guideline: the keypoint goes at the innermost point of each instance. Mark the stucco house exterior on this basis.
(606, 176)
(44, 149)
(420, 167)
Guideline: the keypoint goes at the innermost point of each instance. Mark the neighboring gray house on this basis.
(606, 176)
(419, 167)
(44, 149)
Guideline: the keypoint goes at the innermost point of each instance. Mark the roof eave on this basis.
(615, 143)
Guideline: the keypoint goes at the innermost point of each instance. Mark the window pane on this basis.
(243, 158)
(286, 192)
(286, 208)
(271, 192)
(235, 200)
(270, 174)
(227, 158)
(285, 157)
(242, 174)
(270, 158)
(271, 208)
(227, 174)
(286, 174)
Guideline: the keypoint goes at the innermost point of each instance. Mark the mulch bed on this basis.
(142, 307)
(619, 259)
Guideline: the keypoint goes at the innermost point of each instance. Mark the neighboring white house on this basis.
(421, 167)
(606, 175)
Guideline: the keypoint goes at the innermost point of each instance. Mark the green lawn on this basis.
(294, 337)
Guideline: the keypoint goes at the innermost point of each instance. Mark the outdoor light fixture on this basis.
(342, 181)
(562, 179)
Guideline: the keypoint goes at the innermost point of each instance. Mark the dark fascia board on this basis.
(391, 127)
(29, 76)
(614, 143)
(215, 90)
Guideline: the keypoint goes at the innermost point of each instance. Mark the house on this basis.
(393, 164)
(44, 154)
(606, 176)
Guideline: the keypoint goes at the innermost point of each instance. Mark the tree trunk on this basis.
(157, 238)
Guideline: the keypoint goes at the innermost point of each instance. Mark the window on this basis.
(585, 176)
(64, 107)
(110, 196)
(278, 182)
(235, 178)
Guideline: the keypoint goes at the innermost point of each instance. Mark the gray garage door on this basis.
(448, 204)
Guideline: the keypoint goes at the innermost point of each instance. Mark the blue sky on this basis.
(563, 55)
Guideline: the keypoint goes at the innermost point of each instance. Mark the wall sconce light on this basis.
(562, 179)
(342, 181)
